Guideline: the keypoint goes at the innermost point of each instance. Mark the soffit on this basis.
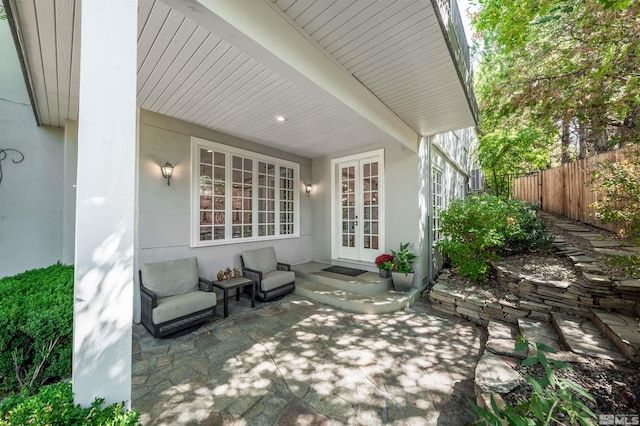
(189, 73)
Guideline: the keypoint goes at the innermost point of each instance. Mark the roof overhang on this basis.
(344, 75)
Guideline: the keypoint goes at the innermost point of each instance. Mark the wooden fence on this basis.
(566, 190)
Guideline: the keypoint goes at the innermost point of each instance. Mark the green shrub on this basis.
(553, 400)
(630, 265)
(36, 323)
(53, 405)
(482, 228)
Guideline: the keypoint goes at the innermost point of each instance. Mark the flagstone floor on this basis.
(296, 362)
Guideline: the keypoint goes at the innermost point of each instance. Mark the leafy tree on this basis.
(556, 74)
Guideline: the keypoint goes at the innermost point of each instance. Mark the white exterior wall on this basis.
(164, 212)
(401, 202)
(451, 154)
(31, 191)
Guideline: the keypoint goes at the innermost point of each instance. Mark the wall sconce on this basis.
(308, 187)
(167, 171)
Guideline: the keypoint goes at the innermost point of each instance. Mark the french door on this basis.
(358, 196)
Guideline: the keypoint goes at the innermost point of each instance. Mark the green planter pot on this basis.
(402, 282)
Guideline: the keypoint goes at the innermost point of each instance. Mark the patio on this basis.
(297, 362)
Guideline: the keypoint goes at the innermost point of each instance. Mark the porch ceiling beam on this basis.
(264, 34)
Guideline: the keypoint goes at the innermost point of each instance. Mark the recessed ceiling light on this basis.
(280, 118)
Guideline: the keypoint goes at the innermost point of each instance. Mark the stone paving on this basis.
(298, 362)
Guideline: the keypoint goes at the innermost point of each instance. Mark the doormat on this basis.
(344, 271)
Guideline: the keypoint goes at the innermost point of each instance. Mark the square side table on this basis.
(236, 283)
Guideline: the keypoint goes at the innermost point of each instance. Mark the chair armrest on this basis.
(253, 275)
(205, 285)
(148, 297)
(284, 266)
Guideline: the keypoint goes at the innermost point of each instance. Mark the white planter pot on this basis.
(402, 282)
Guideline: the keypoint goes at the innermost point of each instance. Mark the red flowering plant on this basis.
(384, 262)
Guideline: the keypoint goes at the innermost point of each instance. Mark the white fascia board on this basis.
(264, 34)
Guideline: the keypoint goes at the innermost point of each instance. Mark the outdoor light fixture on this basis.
(167, 171)
(308, 189)
(280, 118)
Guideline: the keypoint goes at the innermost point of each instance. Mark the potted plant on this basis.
(402, 271)
(384, 262)
(236, 272)
(220, 275)
(227, 273)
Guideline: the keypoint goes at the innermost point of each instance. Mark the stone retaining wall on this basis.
(534, 298)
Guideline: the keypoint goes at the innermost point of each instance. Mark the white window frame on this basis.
(438, 203)
(230, 151)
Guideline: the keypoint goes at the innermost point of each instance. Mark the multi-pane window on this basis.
(242, 195)
(287, 193)
(212, 182)
(348, 189)
(371, 204)
(266, 199)
(437, 204)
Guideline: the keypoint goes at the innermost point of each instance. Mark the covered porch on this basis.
(349, 81)
(299, 362)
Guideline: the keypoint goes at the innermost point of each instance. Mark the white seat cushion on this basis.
(276, 279)
(171, 277)
(172, 307)
(263, 259)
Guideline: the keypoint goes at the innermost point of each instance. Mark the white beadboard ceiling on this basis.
(395, 49)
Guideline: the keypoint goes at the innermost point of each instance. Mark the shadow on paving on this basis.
(296, 362)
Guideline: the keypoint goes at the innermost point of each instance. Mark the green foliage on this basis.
(552, 68)
(629, 264)
(36, 323)
(482, 228)
(618, 184)
(403, 259)
(53, 405)
(509, 153)
(554, 400)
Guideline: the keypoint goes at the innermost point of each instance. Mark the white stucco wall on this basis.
(452, 155)
(401, 198)
(31, 191)
(164, 211)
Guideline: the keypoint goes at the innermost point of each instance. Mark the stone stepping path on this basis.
(587, 235)
(622, 330)
(543, 332)
(581, 336)
(502, 340)
(618, 252)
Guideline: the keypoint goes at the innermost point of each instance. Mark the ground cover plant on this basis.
(482, 228)
(53, 405)
(553, 399)
(36, 323)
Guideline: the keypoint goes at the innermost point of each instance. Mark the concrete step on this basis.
(367, 283)
(348, 301)
(622, 330)
(581, 336)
